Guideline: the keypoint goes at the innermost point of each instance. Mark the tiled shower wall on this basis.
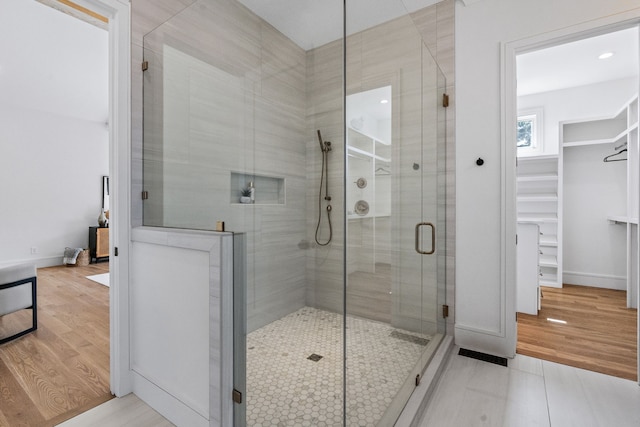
(308, 86)
(385, 54)
(237, 114)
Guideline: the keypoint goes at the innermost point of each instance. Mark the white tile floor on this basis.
(127, 411)
(530, 392)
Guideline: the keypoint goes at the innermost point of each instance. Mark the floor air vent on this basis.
(502, 361)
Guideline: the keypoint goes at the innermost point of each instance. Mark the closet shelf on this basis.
(538, 217)
(614, 140)
(621, 219)
(368, 154)
(548, 261)
(537, 198)
(551, 241)
(537, 159)
(552, 283)
(537, 178)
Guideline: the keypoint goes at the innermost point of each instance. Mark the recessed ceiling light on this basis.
(606, 55)
(384, 101)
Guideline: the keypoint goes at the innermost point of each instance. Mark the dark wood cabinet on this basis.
(98, 243)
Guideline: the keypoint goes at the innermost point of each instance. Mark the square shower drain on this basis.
(314, 357)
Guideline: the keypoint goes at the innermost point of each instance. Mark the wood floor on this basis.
(62, 369)
(600, 334)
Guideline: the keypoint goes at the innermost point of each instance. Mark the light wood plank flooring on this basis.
(600, 334)
(62, 369)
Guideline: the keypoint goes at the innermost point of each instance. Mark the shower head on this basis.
(320, 141)
(325, 146)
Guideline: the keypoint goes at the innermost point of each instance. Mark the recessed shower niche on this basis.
(267, 190)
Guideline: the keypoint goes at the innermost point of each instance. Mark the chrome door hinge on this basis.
(445, 100)
(145, 65)
(115, 251)
(445, 311)
(236, 396)
(145, 195)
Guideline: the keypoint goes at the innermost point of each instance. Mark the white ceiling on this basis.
(369, 104)
(577, 64)
(313, 23)
(52, 62)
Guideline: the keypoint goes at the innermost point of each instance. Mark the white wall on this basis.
(598, 100)
(53, 138)
(484, 321)
(594, 251)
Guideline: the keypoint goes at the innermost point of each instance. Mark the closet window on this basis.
(529, 131)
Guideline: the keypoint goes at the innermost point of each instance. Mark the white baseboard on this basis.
(595, 280)
(166, 404)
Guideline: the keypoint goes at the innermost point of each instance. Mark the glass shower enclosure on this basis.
(319, 135)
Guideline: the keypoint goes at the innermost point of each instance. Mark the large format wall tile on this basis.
(282, 96)
(225, 94)
(390, 54)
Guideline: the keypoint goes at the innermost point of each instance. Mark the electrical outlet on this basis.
(34, 250)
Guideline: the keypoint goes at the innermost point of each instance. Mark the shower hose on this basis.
(324, 179)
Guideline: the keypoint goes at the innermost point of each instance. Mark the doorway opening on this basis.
(56, 114)
(577, 202)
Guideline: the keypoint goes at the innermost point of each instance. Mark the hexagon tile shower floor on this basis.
(294, 369)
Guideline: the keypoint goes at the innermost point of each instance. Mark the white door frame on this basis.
(119, 14)
(509, 115)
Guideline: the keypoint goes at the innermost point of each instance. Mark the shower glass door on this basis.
(395, 199)
(325, 151)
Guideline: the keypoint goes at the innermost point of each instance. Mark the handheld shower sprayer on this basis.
(325, 147)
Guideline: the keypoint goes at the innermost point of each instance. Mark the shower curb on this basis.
(414, 410)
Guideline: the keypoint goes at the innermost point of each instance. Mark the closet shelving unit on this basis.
(620, 131)
(378, 155)
(539, 190)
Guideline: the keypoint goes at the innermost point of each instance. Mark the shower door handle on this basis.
(433, 238)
